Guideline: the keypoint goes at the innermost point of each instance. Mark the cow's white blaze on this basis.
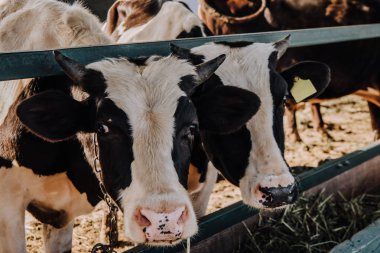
(247, 68)
(149, 96)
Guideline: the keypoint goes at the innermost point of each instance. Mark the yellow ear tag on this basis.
(302, 89)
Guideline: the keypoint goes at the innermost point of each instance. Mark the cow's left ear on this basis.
(55, 116)
(116, 14)
(307, 79)
(225, 109)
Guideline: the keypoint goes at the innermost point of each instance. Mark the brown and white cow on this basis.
(354, 65)
(27, 25)
(251, 156)
(151, 20)
(144, 122)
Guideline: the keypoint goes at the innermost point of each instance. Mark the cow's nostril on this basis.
(184, 217)
(141, 220)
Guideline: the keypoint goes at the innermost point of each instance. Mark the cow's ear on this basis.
(225, 109)
(307, 79)
(55, 116)
(116, 14)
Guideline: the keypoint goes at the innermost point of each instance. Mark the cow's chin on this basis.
(261, 191)
(158, 220)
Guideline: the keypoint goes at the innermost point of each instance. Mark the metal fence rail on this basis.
(41, 63)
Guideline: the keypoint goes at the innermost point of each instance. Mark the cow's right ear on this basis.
(307, 79)
(225, 109)
(116, 14)
(55, 116)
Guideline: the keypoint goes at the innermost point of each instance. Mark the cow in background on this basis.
(252, 157)
(354, 65)
(19, 31)
(151, 20)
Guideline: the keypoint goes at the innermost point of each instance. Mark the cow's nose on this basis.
(279, 196)
(160, 227)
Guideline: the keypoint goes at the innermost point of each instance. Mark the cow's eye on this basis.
(102, 129)
(190, 132)
(285, 99)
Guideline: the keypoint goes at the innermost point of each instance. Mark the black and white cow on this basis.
(144, 122)
(252, 156)
(151, 20)
(138, 21)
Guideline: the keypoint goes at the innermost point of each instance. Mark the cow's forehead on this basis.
(151, 86)
(148, 93)
(242, 53)
(246, 65)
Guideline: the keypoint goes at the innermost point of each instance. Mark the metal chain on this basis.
(111, 220)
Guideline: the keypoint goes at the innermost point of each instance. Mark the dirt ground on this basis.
(347, 121)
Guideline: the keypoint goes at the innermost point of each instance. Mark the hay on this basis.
(314, 224)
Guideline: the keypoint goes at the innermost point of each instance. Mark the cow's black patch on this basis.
(272, 60)
(195, 32)
(55, 218)
(4, 163)
(207, 30)
(94, 82)
(234, 44)
(186, 127)
(187, 83)
(45, 158)
(153, 7)
(229, 153)
(199, 158)
(115, 147)
(185, 4)
(278, 88)
(191, 57)
(139, 61)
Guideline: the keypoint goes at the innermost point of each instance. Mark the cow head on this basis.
(252, 156)
(145, 122)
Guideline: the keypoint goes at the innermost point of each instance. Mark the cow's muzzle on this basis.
(162, 228)
(279, 196)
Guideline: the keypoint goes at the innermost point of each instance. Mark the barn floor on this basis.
(348, 123)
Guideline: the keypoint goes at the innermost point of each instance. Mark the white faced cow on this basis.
(137, 21)
(144, 122)
(252, 156)
(151, 20)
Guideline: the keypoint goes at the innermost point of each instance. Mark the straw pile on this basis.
(314, 224)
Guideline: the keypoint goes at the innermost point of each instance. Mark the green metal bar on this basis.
(336, 167)
(41, 63)
(238, 212)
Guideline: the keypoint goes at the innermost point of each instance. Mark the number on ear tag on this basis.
(302, 89)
